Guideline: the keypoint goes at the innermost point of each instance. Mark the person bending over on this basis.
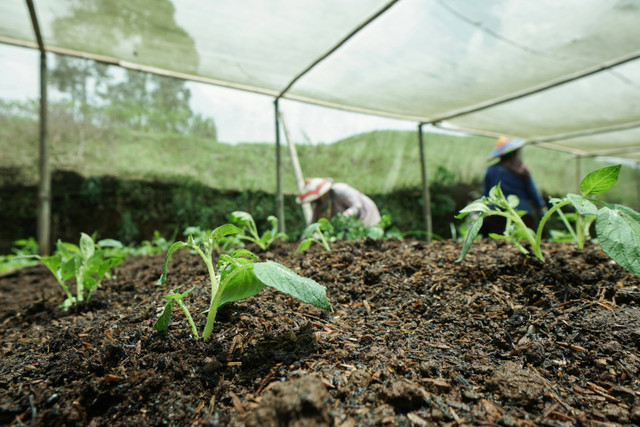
(329, 198)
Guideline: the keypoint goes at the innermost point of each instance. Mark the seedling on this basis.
(351, 228)
(245, 222)
(515, 230)
(314, 233)
(237, 276)
(225, 244)
(164, 319)
(617, 226)
(88, 263)
(577, 227)
(22, 249)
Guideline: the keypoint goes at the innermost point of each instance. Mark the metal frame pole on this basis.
(44, 183)
(426, 196)
(279, 195)
(578, 173)
(637, 205)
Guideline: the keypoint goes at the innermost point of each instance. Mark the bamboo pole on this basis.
(297, 170)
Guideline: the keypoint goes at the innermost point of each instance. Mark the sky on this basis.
(239, 116)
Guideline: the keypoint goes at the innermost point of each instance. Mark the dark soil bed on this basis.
(416, 339)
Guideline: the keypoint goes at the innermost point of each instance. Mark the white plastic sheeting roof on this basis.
(564, 74)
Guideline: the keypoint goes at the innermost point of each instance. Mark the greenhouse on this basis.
(159, 273)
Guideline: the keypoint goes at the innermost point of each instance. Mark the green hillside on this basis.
(375, 162)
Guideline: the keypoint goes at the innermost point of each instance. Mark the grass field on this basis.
(375, 162)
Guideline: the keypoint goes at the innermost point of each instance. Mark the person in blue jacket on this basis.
(514, 178)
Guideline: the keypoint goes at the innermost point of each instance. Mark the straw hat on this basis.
(313, 189)
(506, 145)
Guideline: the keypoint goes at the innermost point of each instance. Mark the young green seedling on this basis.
(617, 226)
(314, 233)
(163, 321)
(245, 221)
(225, 244)
(88, 263)
(237, 276)
(497, 204)
(22, 256)
(577, 226)
(351, 228)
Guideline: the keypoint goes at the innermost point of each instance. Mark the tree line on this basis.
(99, 95)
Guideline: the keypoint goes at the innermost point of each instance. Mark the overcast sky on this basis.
(239, 116)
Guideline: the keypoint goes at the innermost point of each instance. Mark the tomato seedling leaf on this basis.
(473, 231)
(599, 181)
(618, 229)
(582, 205)
(165, 318)
(239, 282)
(285, 280)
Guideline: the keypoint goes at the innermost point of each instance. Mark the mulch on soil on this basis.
(415, 339)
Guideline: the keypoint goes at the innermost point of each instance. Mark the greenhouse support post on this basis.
(44, 183)
(297, 170)
(636, 168)
(279, 196)
(426, 196)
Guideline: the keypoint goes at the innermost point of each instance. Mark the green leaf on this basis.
(110, 243)
(513, 200)
(224, 259)
(244, 253)
(582, 205)
(241, 283)
(178, 296)
(66, 248)
(495, 192)
(499, 236)
(474, 229)
(87, 247)
(285, 280)
(163, 277)
(273, 221)
(311, 229)
(375, 233)
(163, 321)
(618, 230)
(88, 283)
(599, 181)
(53, 263)
(224, 230)
(325, 224)
(304, 245)
(241, 218)
(68, 269)
(106, 265)
(476, 206)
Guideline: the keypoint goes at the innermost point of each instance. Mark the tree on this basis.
(144, 31)
(79, 78)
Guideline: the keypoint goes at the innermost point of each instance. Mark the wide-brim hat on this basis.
(313, 189)
(506, 145)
